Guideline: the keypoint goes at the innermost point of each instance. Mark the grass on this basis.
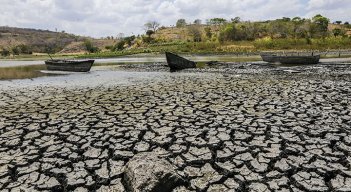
(303, 44)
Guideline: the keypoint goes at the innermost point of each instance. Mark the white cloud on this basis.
(334, 9)
(109, 17)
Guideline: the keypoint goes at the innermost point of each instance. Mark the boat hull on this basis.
(176, 62)
(291, 59)
(69, 65)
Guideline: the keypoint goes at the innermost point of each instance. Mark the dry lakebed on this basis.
(231, 127)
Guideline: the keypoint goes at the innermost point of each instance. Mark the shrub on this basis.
(15, 50)
(5, 52)
(181, 23)
(120, 45)
(25, 49)
(90, 47)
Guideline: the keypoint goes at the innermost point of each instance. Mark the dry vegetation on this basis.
(28, 41)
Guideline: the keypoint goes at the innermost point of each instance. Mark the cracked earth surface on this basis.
(255, 132)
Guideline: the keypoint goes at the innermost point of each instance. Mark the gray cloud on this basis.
(109, 17)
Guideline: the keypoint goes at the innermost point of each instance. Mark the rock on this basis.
(217, 188)
(81, 189)
(116, 186)
(231, 184)
(92, 153)
(258, 187)
(48, 183)
(103, 172)
(310, 181)
(209, 176)
(147, 172)
(341, 184)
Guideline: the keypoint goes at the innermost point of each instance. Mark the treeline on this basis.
(283, 33)
(236, 30)
(297, 27)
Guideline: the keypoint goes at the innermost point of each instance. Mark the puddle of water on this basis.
(23, 72)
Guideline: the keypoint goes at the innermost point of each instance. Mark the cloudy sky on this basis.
(101, 18)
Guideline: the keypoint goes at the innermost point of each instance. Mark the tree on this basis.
(321, 23)
(286, 19)
(152, 25)
(278, 28)
(198, 22)
(302, 30)
(208, 32)
(120, 36)
(228, 34)
(15, 50)
(181, 23)
(338, 22)
(149, 33)
(338, 32)
(236, 20)
(195, 32)
(217, 21)
(296, 19)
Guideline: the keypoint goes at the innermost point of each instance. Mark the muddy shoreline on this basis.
(232, 127)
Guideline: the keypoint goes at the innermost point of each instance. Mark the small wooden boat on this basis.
(69, 65)
(176, 62)
(291, 59)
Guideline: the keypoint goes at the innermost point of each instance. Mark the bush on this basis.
(15, 50)
(109, 47)
(120, 45)
(5, 52)
(25, 49)
(181, 23)
(147, 39)
(90, 47)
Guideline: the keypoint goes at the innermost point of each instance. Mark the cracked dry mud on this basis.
(255, 132)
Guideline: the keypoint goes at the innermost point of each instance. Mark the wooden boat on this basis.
(291, 59)
(69, 65)
(176, 62)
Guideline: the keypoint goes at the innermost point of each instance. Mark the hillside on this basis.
(27, 41)
(206, 32)
(225, 37)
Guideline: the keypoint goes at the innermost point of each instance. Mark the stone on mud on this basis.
(147, 172)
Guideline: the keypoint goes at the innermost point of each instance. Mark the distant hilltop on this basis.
(28, 41)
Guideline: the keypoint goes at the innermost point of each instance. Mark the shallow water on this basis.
(23, 72)
(97, 77)
(11, 70)
(129, 59)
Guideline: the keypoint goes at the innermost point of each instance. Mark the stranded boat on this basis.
(69, 65)
(176, 62)
(291, 59)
